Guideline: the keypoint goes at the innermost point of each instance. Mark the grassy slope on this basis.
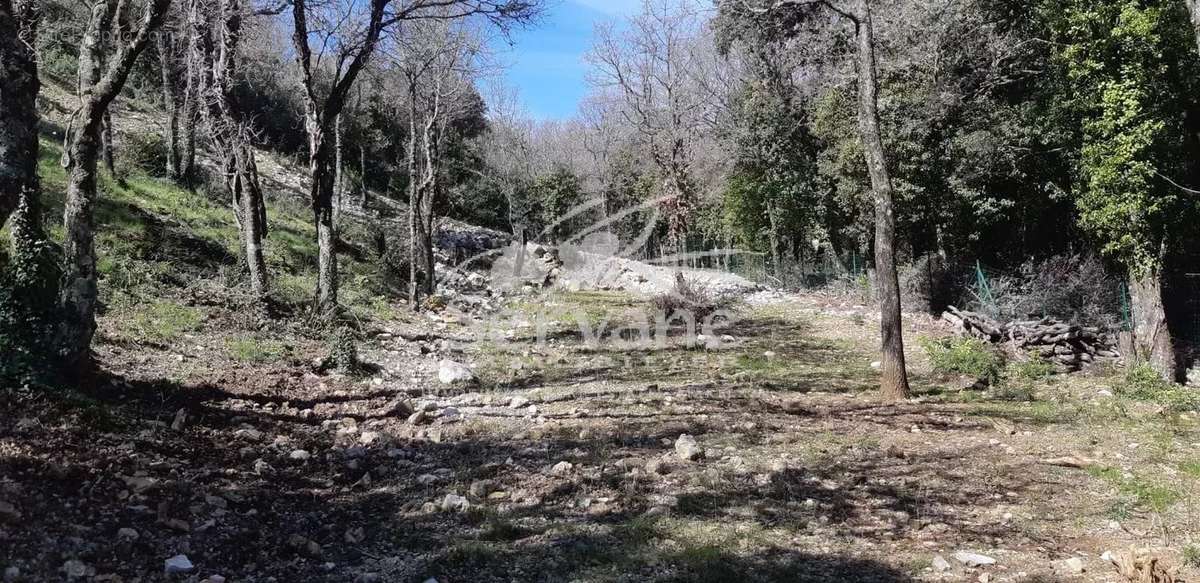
(155, 238)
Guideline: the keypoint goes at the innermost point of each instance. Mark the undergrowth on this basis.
(1143, 383)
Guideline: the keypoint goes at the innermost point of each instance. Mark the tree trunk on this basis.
(32, 278)
(362, 175)
(1151, 338)
(321, 194)
(430, 185)
(18, 107)
(77, 293)
(894, 384)
(254, 220)
(232, 136)
(519, 262)
(413, 200)
(191, 90)
(774, 238)
(339, 171)
(318, 114)
(166, 60)
(1194, 10)
(106, 145)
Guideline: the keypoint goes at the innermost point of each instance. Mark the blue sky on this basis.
(546, 63)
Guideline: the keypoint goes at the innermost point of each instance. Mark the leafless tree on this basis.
(508, 150)
(98, 86)
(349, 33)
(177, 53)
(231, 133)
(438, 61)
(649, 67)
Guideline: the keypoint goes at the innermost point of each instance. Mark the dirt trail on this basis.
(561, 464)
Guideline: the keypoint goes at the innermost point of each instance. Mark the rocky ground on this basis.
(527, 430)
(764, 456)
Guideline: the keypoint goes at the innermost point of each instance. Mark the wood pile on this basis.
(1068, 344)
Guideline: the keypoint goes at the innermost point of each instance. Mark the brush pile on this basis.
(1070, 345)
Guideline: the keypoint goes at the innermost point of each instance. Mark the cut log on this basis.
(1062, 342)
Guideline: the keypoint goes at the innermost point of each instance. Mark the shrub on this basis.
(929, 283)
(253, 350)
(1075, 288)
(1035, 368)
(969, 356)
(690, 297)
(1191, 556)
(1143, 383)
(142, 153)
(343, 350)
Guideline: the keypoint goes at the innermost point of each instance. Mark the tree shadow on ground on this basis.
(732, 526)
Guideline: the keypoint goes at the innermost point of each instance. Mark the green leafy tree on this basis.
(1131, 75)
(558, 193)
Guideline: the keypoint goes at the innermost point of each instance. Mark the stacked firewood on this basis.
(1068, 344)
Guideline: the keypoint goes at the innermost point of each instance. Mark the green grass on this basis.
(1191, 468)
(968, 356)
(1191, 556)
(161, 321)
(253, 350)
(1142, 383)
(1150, 494)
(1036, 412)
(153, 235)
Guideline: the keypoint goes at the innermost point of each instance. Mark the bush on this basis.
(343, 350)
(1143, 383)
(929, 284)
(690, 297)
(968, 356)
(1035, 368)
(1074, 288)
(142, 154)
(1018, 379)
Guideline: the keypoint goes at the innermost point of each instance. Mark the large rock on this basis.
(450, 373)
(455, 503)
(177, 564)
(973, 559)
(687, 449)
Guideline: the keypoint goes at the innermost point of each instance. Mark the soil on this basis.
(271, 468)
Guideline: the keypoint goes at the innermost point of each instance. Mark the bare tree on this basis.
(98, 86)
(649, 67)
(177, 53)
(351, 32)
(437, 62)
(509, 155)
(231, 133)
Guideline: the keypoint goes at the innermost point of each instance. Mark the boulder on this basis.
(687, 449)
(177, 564)
(973, 559)
(451, 372)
